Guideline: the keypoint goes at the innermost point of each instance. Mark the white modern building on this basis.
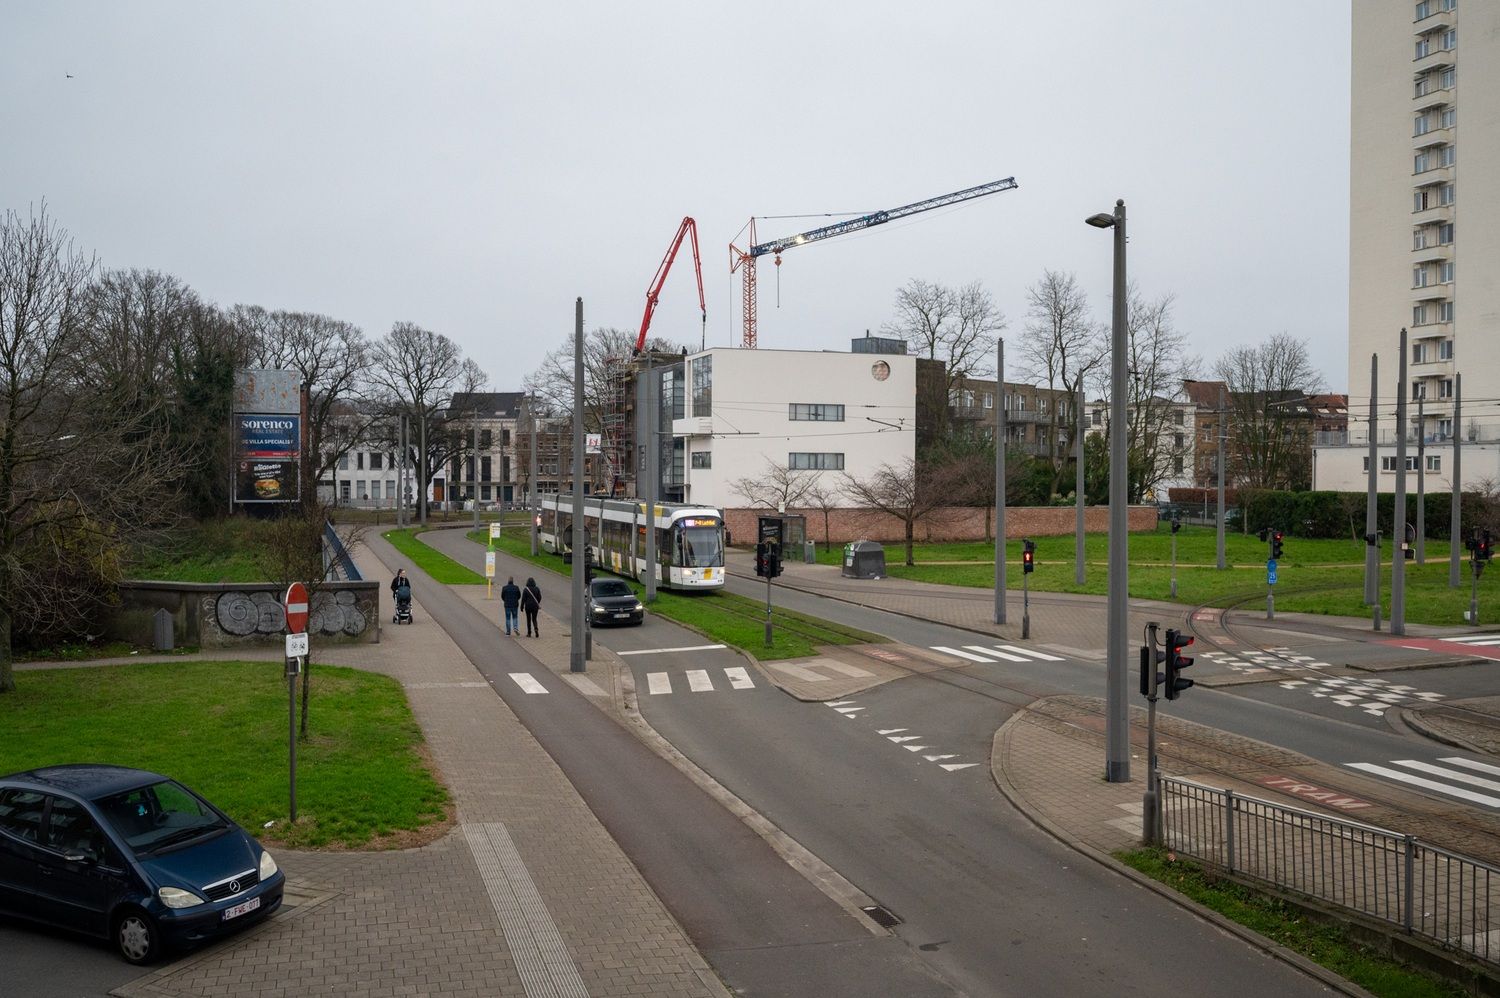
(736, 411)
(1423, 72)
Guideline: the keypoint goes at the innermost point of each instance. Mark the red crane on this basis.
(653, 293)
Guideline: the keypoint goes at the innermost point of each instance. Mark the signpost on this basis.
(296, 650)
(489, 561)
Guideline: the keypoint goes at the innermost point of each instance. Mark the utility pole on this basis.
(534, 498)
(401, 475)
(1455, 512)
(1000, 480)
(1078, 493)
(422, 473)
(1421, 482)
(1223, 433)
(577, 652)
(652, 413)
(1398, 533)
(1372, 526)
(474, 478)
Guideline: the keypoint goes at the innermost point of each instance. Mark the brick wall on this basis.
(953, 523)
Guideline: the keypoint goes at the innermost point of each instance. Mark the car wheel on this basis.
(136, 937)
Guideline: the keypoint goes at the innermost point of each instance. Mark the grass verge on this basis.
(221, 728)
(724, 617)
(436, 564)
(225, 550)
(1326, 944)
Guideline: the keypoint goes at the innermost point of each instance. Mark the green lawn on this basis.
(721, 616)
(1327, 944)
(213, 551)
(221, 728)
(442, 568)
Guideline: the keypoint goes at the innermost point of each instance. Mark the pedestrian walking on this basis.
(531, 602)
(510, 595)
(399, 581)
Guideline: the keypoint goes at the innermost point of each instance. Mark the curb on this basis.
(1413, 722)
(1250, 936)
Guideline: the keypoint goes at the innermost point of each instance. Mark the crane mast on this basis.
(744, 260)
(653, 293)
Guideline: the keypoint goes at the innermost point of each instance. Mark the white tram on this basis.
(689, 539)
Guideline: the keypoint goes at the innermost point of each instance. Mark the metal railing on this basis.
(336, 561)
(1444, 896)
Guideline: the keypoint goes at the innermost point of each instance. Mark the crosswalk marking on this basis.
(1484, 640)
(852, 671)
(527, 682)
(1421, 781)
(666, 651)
(890, 731)
(961, 654)
(998, 653)
(1427, 767)
(739, 679)
(1483, 767)
(699, 682)
(899, 739)
(1034, 654)
(994, 654)
(658, 683)
(798, 672)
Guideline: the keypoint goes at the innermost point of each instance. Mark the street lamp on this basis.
(1117, 709)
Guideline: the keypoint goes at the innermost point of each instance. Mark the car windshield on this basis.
(611, 587)
(163, 814)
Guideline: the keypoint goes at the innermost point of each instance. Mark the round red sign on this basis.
(296, 608)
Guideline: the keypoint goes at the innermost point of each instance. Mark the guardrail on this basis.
(336, 560)
(1428, 891)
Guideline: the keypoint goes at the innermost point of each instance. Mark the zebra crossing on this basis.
(915, 744)
(1372, 695)
(1252, 661)
(699, 680)
(997, 653)
(1476, 640)
(1457, 777)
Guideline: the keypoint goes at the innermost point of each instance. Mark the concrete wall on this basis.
(955, 523)
(226, 615)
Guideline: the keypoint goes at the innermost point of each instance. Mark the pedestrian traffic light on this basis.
(1486, 547)
(773, 562)
(760, 559)
(1407, 551)
(1276, 544)
(1028, 557)
(1151, 680)
(1176, 662)
(1263, 533)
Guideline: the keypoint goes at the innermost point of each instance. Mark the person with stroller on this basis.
(510, 595)
(531, 602)
(399, 581)
(401, 589)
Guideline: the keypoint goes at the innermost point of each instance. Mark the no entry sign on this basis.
(296, 608)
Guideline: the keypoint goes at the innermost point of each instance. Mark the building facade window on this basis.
(989, 400)
(486, 439)
(1445, 311)
(1419, 353)
(1423, 47)
(703, 385)
(1445, 428)
(1445, 388)
(1445, 349)
(344, 462)
(1446, 78)
(1419, 315)
(819, 411)
(1447, 155)
(1419, 277)
(1448, 118)
(815, 461)
(1449, 40)
(1418, 390)
(1445, 233)
(486, 469)
(703, 459)
(1445, 272)
(1434, 462)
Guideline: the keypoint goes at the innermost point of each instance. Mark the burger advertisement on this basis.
(268, 450)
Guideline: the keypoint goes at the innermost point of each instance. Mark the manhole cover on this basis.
(881, 915)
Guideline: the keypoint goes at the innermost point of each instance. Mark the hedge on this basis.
(1342, 514)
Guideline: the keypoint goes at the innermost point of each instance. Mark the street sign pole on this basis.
(295, 603)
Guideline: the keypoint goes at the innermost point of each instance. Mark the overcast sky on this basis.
(475, 167)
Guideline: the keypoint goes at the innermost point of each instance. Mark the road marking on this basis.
(916, 748)
(1033, 653)
(890, 731)
(899, 739)
(699, 682)
(1427, 767)
(540, 955)
(961, 654)
(1442, 788)
(669, 651)
(583, 684)
(445, 686)
(994, 654)
(939, 758)
(854, 672)
(739, 679)
(1482, 640)
(527, 682)
(658, 683)
(798, 672)
(848, 711)
(955, 766)
(1471, 764)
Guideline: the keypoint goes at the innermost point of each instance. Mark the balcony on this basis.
(1433, 175)
(1432, 216)
(1432, 98)
(1435, 59)
(1437, 253)
(1436, 20)
(1432, 292)
(1433, 137)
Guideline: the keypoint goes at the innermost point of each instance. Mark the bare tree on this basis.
(1060, 347)
(902, 492)
(417, 371)
(1270, 439)
(778, 487)
(80, 456)
(825, 497)
(957, 327)
(333, 358)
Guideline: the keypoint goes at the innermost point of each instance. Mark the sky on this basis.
(476, 167)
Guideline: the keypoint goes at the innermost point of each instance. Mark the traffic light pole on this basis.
(1151, 802)
(1026, 605)
(1474, 593)
(768, 611)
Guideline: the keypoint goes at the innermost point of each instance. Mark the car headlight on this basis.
(601, 609)
(639, 605)
(267, 866)
(176, 897)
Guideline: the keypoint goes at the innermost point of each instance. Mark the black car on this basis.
(612, 601)
(129, 856)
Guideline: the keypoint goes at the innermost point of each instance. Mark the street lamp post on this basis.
(1117, 711)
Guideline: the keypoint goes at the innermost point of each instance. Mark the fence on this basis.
(1431, 892)
(336, 561)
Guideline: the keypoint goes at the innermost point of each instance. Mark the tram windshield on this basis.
(701, 546)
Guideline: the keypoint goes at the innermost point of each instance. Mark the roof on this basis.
(503, 404)
(88, 780)
(1204, 393)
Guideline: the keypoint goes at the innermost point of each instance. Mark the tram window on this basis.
(701, 547)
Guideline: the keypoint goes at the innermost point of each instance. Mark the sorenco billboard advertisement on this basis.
(267, 466)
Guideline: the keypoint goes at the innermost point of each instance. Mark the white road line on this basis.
(668, 651)
(583, 684)
(1475, 639)
(939, 758)
(658, 683)
(699, 682)
(961, 654)
(899, 739)
(1427, 767)
(1033, 653)
(953, 766)
(527, 682)
(797, 672)
(1442, 788)
(848, 711)
(996, 653)
(739, 678)
(890, 731)
(916, 748)
(852, 671)
(1471, 764)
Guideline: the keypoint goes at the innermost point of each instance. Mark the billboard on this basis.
(268, 391)
(265, 481)
(269, 435)
(267, 449)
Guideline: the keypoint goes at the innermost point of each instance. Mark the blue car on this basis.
(128, 856)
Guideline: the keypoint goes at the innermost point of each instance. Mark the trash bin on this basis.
(810, 552)
(864, 560)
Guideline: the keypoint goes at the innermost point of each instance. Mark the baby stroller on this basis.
(403, 606)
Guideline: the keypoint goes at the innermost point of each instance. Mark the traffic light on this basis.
(1176, 662)
(1276, 544)
(773, 562)
(1263, 533)
(1408, 552)
(1028, 557)
(1150, 678)
(761, 551)
(1486, 547)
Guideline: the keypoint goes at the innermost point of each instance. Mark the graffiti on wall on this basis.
(244, 614)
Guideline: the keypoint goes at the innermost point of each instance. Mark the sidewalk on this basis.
(526, 896)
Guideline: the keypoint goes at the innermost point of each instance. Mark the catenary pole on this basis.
(1456, 486)
(533, 499)
(1223, 433)
(1078, 492)
(1372, 551)
(1398, 526)
(1421, 483)
(1000, 480)
(1117, 720)
(579, 544)
(653, 413)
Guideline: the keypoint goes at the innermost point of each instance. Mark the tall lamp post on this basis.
(1117, 710)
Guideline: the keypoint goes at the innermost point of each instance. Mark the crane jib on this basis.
(877, 217)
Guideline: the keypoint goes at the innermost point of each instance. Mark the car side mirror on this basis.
(77, 856)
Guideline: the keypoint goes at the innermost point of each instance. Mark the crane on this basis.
(653, 293)
(744, 260)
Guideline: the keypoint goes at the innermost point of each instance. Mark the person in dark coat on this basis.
(399, 581)
(531, 602)
(510, 595)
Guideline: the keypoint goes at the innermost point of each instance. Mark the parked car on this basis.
(612, 601)
(128, 856)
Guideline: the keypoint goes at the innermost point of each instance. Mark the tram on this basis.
(689, 539)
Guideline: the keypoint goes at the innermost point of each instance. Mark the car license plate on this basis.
(241, 909)
(622, 616)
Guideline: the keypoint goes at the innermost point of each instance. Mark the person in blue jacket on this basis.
(510, 595)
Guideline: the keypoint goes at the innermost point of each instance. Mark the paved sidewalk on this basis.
(527, 896)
